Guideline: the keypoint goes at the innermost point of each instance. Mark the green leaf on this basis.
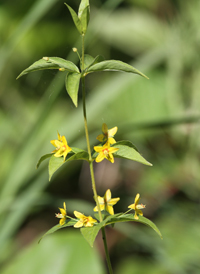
(90, 233)
(56, 162)
(72, 81)
(130, 217)
(75, 18)
(128, 151)
(85, 17)
(83, 5)
(114, 65)
(79, 156)
(50, 63)
(44, 157)
(68, 222)
(76, 149)
(89, 61)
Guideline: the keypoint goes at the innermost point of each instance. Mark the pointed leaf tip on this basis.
(115, 65)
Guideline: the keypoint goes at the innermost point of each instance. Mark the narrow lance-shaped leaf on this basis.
(128, 151)
(130, 217)
(42, 158)
(75, 18)
(56, 162)
(85, 17)
(50, 63)
(114, 65)
(83, 5)
(57, 227)
(72, 81)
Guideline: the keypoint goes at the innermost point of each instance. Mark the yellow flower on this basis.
(105, 152)
(86, 221)
(137, 207)
(106, 203)
(62, 148)
(107, 135)
(62, 215)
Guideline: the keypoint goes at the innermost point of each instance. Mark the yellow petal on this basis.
(62, 221)
(78, 224)
(98, 148)
(111, 140)
(112, 131)
(79, 215)
(102, 207)
(110, 158)
(62, 211)
(113, 201)
(110, 210)
(140, 212)
(100, 157)
(59, 137)
(53, 143)
(101, 200)
(137, 198)
(135, 216)
(107, 195)
(113, 149)
(64, 206)
(132, 206)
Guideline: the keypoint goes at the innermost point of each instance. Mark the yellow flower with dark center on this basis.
(137, 207)
(105, 152)
(62, 215)
(86, 221)
(107, 134)
(106, 203)
(62, 148)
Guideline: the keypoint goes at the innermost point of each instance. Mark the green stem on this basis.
(91, 162)
(106, 250)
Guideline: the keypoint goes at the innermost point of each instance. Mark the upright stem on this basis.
(91, 162)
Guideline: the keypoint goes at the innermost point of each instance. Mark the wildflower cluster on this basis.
(106, 151)
(106, 204)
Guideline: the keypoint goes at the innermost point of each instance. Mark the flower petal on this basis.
(79, 215)
(110, 209)
(112, 131)
(100, 157)
(107, 195)
(113, 201)
(78, 224)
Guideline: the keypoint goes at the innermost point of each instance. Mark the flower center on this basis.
(106, 151)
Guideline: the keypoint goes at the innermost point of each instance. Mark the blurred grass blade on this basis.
(36, 12)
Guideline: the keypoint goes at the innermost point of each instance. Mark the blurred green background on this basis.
(160, 116)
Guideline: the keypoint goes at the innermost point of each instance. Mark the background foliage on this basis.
(160, 115)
